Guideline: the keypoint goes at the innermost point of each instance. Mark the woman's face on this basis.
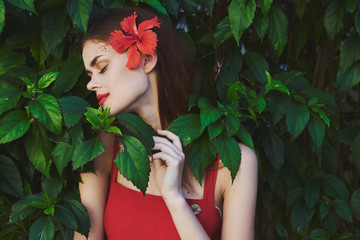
(116, 86)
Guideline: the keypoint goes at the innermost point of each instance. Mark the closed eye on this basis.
(103, 70)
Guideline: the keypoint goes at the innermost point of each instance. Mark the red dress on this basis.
(130, 215)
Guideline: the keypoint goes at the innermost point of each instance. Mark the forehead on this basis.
(93, 49)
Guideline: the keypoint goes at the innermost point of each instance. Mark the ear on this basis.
(150, 62)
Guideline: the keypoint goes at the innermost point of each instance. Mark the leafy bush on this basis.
(280, 76)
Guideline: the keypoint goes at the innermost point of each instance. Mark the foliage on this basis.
(286, 78)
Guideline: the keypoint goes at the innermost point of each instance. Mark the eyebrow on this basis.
(93, 63)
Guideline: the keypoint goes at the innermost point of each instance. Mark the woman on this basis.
(141, 67)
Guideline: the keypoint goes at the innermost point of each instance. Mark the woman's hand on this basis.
(169, 164)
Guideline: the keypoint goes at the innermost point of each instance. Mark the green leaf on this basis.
(357, 21)
(94, 119)
(355, 202)
(241, 15)
(52, 187)
(348, 135)
(261, 24)
(311, 191)
(24, 4)
(208, 113)
(324, 209)
(300, 8)
(356, 151)
(135, 126)
(202, 153)
(47, 79)
(299, 32)
(278, 104)
(53, 29)
(293, 196)
(187, 127)
(258, 65)
(335, 187)
(73, 108)
(281, 230)
(274, 148)
(79, 12)
(133, 163)
(86, 151)
(278, 29)
(232, 125)
(20, 210)
(245, 136)
(222, 32)
(113, 129)
(265, 5)
(61, 155)
(38, 52)
(349, 79)
(333, 19)
(342, 208)
(215, 129)
(66, 217)
(234, 61)
(13, 125)
(297, 116)
(350, 5)
(38, 148)
(329, 154)
(157, 5)
(301, 215)
(279, 86)
(68, 76)
(2, 15)
(319, 234)
(317, 130)
(350, 52)
(172, 7)
(77, 136)
(47, 110)
(9, 97)
(10, 180)
(42, 229)
(9, 60)
(229, 152)
(81, 215)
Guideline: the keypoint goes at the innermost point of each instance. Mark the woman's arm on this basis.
(94, 189)
(240, 198)
(169, 164)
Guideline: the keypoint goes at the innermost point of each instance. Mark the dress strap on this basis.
(210, 180)
(114, 169)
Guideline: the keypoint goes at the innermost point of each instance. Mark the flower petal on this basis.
(129, 25)
(120, 42)
(147, 24)
(148, 43)
(133, 57)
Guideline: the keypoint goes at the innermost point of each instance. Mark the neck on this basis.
(148, 108)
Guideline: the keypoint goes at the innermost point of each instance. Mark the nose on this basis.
(93, 84)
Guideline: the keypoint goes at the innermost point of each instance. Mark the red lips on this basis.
(102, 98)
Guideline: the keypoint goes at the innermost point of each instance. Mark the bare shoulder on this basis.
(248, 170)
(239, 197)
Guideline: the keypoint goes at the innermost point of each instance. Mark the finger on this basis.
(173, 137)
(168, 150)
(167, 143)
(169, 160)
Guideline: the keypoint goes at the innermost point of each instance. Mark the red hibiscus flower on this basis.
(138, 40)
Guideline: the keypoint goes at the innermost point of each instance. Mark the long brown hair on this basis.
(174, 68)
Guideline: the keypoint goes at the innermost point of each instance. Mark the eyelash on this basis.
(103, 70)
